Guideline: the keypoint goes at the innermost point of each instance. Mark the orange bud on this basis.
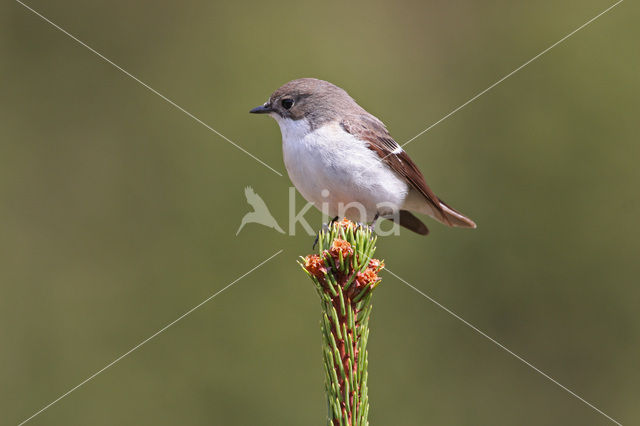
(314, 264)
(346, 223)
(376, 265)
(340, 246)
(367, 277)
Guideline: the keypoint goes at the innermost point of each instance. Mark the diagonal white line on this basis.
(501, 346)
(148, 338)
(150, 88)
(512, 72)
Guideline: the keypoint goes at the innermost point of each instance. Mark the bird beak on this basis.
(262, 109)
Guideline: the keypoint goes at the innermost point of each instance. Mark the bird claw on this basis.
(325, 228)
(372, 225)
(367, 226)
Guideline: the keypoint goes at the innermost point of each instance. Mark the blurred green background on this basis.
(118, 212)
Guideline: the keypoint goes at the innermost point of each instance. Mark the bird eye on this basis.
(287, 103)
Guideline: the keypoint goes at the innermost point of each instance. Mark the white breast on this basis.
(330, 159)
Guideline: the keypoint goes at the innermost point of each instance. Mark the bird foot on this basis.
(372, 225)
(325, 228)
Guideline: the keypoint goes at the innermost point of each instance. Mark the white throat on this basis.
(292, 130)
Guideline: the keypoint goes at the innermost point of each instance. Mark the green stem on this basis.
(345, 274)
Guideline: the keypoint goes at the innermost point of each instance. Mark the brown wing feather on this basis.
(370, 129)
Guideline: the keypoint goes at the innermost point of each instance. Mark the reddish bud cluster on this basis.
(367, 277)
(376, 265)
(319, 265)
(370, 275)
(314, 264)
(346, 223)
(340, 246)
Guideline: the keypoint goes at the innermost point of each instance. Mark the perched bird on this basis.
(337, 155)
(260, 213)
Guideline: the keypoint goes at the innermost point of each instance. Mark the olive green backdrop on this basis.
(118, 212)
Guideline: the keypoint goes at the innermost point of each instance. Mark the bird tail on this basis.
(446, 215)
(452, 217)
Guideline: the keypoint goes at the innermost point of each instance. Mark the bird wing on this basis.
(375, 133)
(368, 128)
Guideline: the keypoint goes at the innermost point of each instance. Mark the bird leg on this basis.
(373, 223)
(325, 227)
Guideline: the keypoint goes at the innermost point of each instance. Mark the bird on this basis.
(343, 160)
(260, 213)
